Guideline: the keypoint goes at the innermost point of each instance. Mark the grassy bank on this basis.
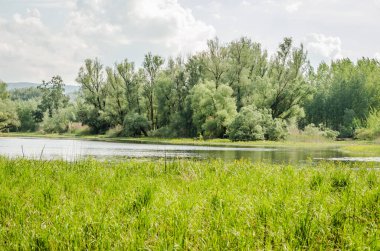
(352, 147)
(190, 205)
(293, 142)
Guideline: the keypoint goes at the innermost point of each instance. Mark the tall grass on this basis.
(187, 205)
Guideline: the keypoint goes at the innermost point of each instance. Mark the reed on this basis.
(187, 205)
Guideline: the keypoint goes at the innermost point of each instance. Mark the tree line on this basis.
(235, 90)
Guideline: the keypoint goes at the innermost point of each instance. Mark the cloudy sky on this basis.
(42, 38)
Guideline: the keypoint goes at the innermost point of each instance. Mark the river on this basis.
(74, 149)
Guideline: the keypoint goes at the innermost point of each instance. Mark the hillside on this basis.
(69, 89)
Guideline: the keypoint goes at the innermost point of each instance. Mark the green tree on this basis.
(60, 121)
(25, 94)
(247, 64)
(288, 83)
(152, 65)
(213, 108)
(25, 111)
(94, 95)
(8, 115)
(344, 95)
(214, 61)
(123, 91)
(173, 105)
(135, 125)
(256, 124)
(4, 94)
(53, 98)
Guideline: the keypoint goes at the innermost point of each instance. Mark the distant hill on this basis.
(69, 89)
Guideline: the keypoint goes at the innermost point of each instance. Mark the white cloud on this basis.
(163, 22)
(293, 7)
(322, 47)
(32, 50)
(377, 55)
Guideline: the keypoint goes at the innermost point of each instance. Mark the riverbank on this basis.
(351, 147)
(197, 205)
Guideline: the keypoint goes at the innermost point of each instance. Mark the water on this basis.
(73, 149)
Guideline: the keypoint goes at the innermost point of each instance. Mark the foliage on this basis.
(135, 125)
(92, 117)
(53, 98)
(344, 95)
(312, 130)
(152, 65)
(60, 121)
(94, 94)
(8, 115)
(4, 94)
(213, 108)
(288, 82)
(201, 94)
(25, 111)
(25, 94)
(256, 124)
(372, 128)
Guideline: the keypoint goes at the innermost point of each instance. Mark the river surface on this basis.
(73, 149)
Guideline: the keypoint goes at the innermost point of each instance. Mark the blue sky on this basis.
(42, 38)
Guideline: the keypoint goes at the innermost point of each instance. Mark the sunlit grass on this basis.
(363, 150)
(191, 205)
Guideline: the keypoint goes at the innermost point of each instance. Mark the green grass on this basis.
(187, 205)
(292, 142)
(363, 150)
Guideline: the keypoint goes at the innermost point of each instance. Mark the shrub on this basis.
(255, 124)
(372, 129)
(25, 110)
(8, 116)
(115, 131)
(135, 125)
(59, 122)
(313, 130)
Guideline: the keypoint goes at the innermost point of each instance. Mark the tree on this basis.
(53, 97)
(256, 124)
(213, 108)
(4, 94)
(123, 91)
(94, 94)
(8, 115)
(25, 111)
(152, 65)
(25, 94)
(344, 94)
(132, 82)
(288, 83)
(214, 61)
(60, 122)
(247, 64)
(135, 125)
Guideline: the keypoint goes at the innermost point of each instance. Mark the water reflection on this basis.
(68, 149)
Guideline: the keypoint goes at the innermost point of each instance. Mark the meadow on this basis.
(188, 205)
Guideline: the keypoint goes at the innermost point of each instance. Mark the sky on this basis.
(43, 38)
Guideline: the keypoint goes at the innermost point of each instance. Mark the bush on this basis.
(277, 130)
(8, 116)
(25, 110)
(59, 122)
(135, 125)
(313, 130)
(254, 124)
(372, 129)
(115, 131)
(94, 118)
